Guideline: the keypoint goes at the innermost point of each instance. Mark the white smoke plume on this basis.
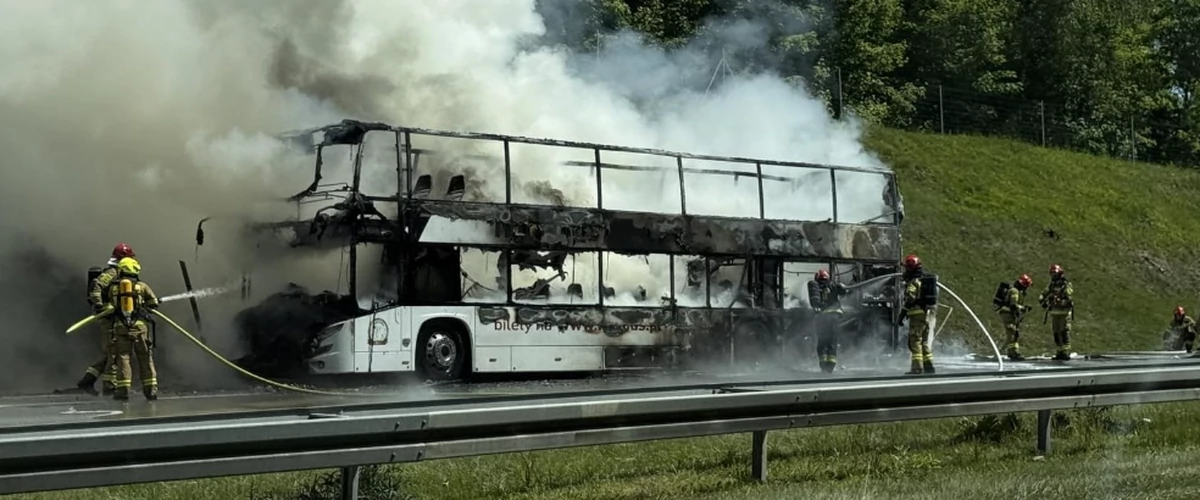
(129, 120)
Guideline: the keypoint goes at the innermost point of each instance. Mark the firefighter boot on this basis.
(828, 363)
(87, 384)
(151, 393)
(121, 394)
(927, 366)
(1062, 355)
(108, 389)
(917, 368)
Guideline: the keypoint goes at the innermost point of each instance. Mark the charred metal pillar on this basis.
(508, 174)
(187, 285)
(399, 169)
(758, 468)
(682, 187)
(408, 164)
(671, 277)
(507, 276)
(833, 190)
(1043, 432)
(599, 195)
(708, 282)
(599, 277)
(355, 185)
(762, 204)
(768, 290)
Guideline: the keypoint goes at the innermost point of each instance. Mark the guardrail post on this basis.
(350, 482)
(759, 467)
(1043, 432)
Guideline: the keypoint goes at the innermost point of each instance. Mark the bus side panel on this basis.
(493, 359)
(557, 359)
(362, 349)
(493, 327)
(389, 352)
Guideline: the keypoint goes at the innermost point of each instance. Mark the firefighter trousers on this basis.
(918, 343)
(1060, 324)
(827, 341)
(128, 342)
(1013, 330)
(102, 367)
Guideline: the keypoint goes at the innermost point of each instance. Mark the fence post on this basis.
(350, 482)
(1132, 141)
(840, 104)
(759, 456)
(1043, 432)
(941, 109)
(1042, 113)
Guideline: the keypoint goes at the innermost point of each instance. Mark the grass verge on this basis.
(982, 210)
(1123, 452)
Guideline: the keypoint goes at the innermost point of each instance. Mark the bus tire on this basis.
(441, 350)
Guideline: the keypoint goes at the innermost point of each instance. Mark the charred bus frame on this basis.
(871, 247)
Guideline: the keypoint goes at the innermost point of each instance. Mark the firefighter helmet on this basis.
(822, 275)
(129, 266)
(1056, 270)
(912, 262)
(1179, 312)
(1025, 281)
(122, 251)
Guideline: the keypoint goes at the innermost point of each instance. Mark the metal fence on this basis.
(953, 110)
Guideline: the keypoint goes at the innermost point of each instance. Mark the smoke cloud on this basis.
(132, 119)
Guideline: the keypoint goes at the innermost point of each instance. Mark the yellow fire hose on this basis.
(85, 321)
(109, 310)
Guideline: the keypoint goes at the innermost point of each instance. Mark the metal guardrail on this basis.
(78, 458)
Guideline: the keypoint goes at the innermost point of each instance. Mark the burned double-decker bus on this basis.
(490, 253)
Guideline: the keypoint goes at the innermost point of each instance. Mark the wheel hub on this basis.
(440, 351)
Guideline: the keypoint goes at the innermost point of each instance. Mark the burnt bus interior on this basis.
(757, 264)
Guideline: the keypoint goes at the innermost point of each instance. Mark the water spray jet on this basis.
(996, 349)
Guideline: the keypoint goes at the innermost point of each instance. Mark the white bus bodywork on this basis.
(401, 338)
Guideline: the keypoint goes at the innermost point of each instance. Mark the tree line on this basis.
(1107, 77)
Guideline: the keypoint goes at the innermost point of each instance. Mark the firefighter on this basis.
(916, 311)
(132, 300)
(1182, 332)
(823, 297)
(1012, 311)
(1057, 300)
(97, 298)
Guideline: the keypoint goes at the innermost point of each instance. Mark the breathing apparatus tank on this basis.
(929, 291)
(1001, 298)
(814, 294)
(125, 300)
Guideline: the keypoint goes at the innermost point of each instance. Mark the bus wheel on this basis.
(442, 353)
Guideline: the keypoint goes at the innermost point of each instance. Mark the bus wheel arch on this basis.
(443, 349)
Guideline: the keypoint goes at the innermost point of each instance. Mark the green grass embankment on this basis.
(982, 210)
